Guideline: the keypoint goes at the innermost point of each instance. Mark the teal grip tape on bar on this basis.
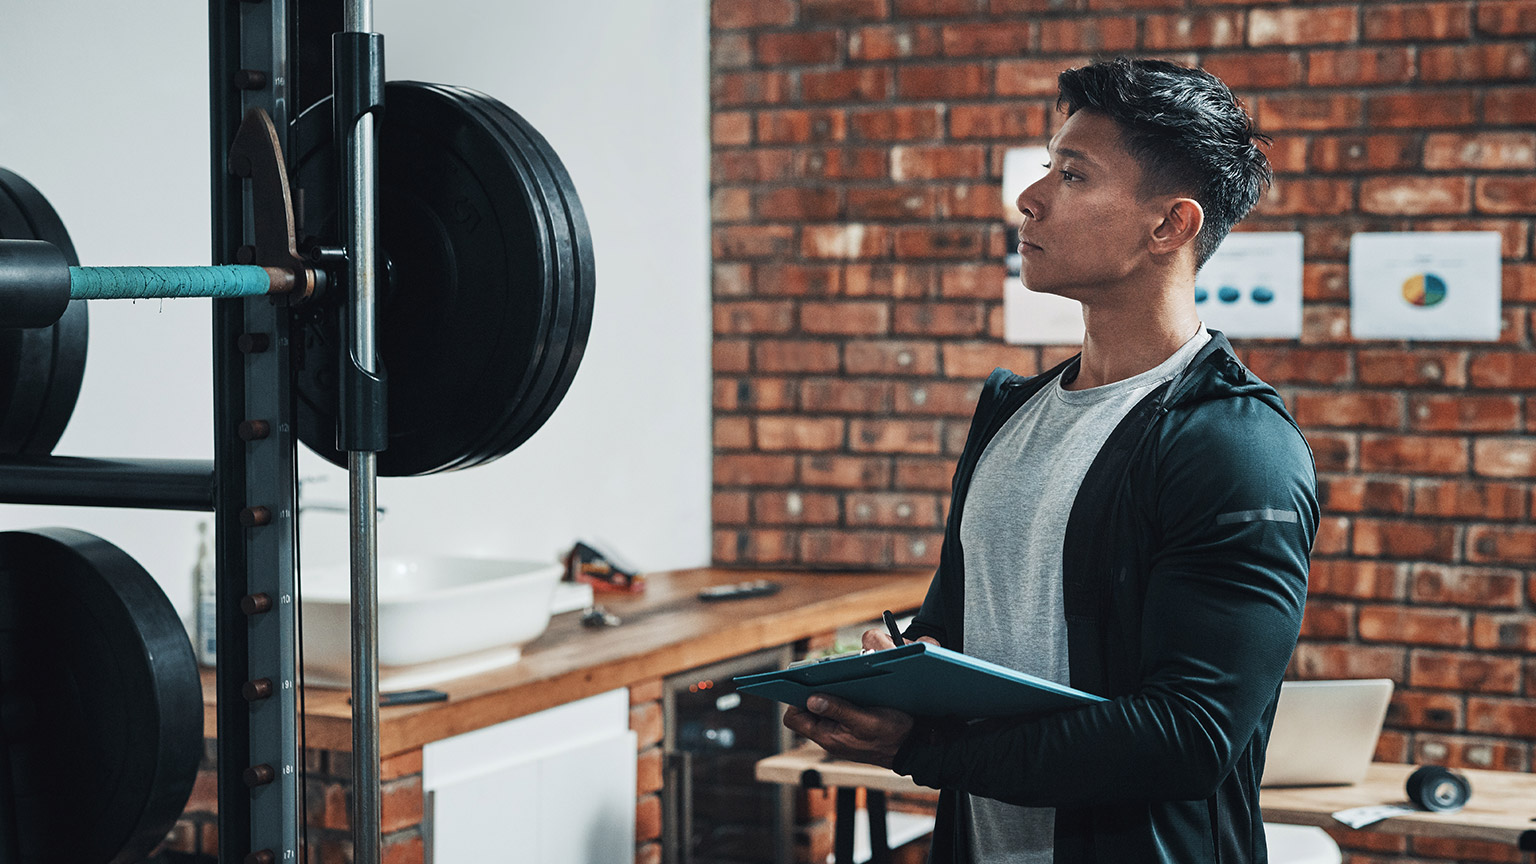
(124, 283)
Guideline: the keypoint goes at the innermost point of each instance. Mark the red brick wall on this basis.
(858, 247)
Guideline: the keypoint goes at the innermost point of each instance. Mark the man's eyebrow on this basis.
(1076, 154)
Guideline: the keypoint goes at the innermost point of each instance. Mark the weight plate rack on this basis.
(425, 308)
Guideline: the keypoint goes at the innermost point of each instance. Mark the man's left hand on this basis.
(846, 731)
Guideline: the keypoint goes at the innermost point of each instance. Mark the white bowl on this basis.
(430, 608)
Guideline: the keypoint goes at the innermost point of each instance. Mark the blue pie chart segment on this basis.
(1424, 289)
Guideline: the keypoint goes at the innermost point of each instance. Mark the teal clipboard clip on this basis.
(921, 679)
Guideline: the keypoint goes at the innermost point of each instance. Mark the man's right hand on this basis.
(878, 640)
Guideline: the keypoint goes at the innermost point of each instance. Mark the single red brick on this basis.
(1224, 29)
(1354, 67)
(1332, 661)
(400, 804)
(1416, 454)
(728, 507)
(1323, 619)
(845, 395)
(1459, 670)
(864, 84)
(847, 163)
(1511, 195)
(1348, 408)
(1389, 367)
(648, 771)
(890, 358)
(1353, 494)
(1076, 35)
(740, 166)
(1415, 196)
(1267, 70)
(799, 280)
(1503, 370)
(1325, 280)
(1397, 538)
(1391, 746)
(932, 474)
(1466, 586)
(1510, 106)
(939, 242)
(1420, 710)
(967, 201)
(798, 433)
(1507, 632)
(950, 81)
(973, 281)
(648, 818)
(731, 355)
(728, 128)
(1468, 499)
(730, 51)
(853, 318)
(1518, 283)
(925, 162)
(732, 433)
(940, 319)
(1009, 120)
(1512, 18)
(1496, 62)
(827, 471)
(1334, 451)
(1332, 538)
(1032, 77)
(757, 241)
(976, 360)
(863, 549)
(1403, 624)
(898, 123)
(1465, 414)
(889, 280)
(888, 42)
(893, 510)
(798, 126)
(894, 436)
(1422, 109)
(1479, 151)
(754, 469)
(1357, 153)
(1417, 21)
(1309, 112)
(795, 508)
(942, 398)
(1299, 26)
(1287, 154)
(754, 316)
(987, 39)
(797, 48)
(728, 204)
(828, 11)
(853, 240)
(795, 356)
(1490, 544)
(934, 8)
(1504, 457)
(735, 14)
(919, 551)
(1298, 366)
(749, 88)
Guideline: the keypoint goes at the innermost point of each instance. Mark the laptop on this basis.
(1325, 731)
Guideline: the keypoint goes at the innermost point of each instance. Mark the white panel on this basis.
(491, 818)
(1434, 285)
(587, 801)
(1252, 285)
(594, 718)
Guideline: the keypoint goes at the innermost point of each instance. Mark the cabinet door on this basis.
(556, 787)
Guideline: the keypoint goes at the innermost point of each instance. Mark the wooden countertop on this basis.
(665, 630)
(1502, 808)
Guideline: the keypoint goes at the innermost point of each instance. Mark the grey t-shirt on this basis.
(1011, 534)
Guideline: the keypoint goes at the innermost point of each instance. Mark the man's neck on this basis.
(1122, 341)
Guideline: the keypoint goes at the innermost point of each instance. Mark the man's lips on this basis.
(1023, 243)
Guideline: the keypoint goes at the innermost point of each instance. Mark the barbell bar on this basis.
(37, 282)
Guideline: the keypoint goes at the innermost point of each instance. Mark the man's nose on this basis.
(1028, 204)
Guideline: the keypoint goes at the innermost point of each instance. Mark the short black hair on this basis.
(1186, 129)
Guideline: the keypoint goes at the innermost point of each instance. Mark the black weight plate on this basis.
(40, 368)
(557, 267)
(578, 278)
(101, 715)
(465, 313)
(520, 414)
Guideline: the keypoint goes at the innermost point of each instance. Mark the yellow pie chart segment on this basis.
(1424, 289)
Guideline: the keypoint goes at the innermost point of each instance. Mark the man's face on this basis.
(1085, 228)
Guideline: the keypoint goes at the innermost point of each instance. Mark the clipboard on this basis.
(920, 679)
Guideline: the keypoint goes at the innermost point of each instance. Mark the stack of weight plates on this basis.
(41, 367)
(487, 290)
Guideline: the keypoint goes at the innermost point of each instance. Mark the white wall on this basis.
(104, 108)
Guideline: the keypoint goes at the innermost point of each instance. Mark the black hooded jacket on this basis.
(1184, 571)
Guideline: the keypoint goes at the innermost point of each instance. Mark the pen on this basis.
(890, 624)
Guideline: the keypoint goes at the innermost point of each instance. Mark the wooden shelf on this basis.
(665, 630)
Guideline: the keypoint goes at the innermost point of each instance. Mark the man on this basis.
(1135, 523)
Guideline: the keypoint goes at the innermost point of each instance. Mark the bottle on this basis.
(206, 585)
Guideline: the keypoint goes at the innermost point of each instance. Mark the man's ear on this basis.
(1181, 223)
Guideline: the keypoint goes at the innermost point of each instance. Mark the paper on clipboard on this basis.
(921, 679)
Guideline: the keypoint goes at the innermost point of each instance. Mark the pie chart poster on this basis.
(1432, 285)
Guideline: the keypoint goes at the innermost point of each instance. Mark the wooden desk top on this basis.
(665, 630)
(1502, 808)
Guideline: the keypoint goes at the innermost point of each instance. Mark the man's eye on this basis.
(1070, 177)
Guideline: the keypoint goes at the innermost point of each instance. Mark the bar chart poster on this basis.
(1425, 285)
(1251, 287)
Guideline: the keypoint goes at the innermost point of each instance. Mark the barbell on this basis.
(484, 310)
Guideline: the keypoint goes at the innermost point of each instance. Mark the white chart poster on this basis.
(1252, 285)
(1433, 285)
